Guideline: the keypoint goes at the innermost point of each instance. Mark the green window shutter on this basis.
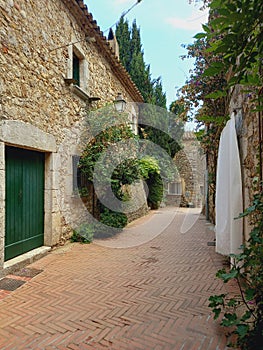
(76, 69)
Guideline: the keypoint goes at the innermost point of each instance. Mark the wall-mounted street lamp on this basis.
(119, 103)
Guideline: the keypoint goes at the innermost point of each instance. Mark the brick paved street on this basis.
(147, 297)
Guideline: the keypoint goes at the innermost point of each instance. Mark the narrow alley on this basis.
(150, 296)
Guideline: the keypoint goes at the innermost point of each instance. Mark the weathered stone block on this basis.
(2, 156)
(24, 134)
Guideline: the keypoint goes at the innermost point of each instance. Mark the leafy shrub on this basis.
(148, 165)
(113, 219)
(83, 234)
(243, 313)
(155, 186)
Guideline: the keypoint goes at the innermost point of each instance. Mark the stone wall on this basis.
(190, 162)
(37, 42)
(34, 65)
(248, 129)
(138, 202)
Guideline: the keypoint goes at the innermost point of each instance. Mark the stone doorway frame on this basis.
(24, 135)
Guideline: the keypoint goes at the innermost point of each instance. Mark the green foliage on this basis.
(148, 165)
(112, 135)
(234, 35)
(113, 219)
(155, 187)
(154, 125)
(83, 234)
(124, 40)
(132, 58)
(127, 172)
(107, 159)
(162, 128)
(229, 52)
(150, 172)
(243, 314)
(203, 96)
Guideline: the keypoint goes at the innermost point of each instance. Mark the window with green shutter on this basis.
(76, 69)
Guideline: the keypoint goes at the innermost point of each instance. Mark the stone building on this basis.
(55, 66)
(187, 189)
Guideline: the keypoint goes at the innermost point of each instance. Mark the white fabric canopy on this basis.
(229, 204)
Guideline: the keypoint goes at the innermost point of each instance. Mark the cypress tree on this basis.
(140, 75)
(136, 45)
(159, 95)
(123, 36)
(132, 57)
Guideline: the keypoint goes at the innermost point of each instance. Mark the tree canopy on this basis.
(132, 58)
(155, 125)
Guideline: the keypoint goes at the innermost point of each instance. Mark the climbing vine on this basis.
(210, 115)
(110, 132)
(115, 156)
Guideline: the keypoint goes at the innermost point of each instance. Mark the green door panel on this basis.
(24, 201)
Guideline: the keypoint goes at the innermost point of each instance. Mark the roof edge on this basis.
(85, 19)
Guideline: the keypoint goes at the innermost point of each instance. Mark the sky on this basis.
(165, 25)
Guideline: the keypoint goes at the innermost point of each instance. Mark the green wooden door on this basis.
(24, 201)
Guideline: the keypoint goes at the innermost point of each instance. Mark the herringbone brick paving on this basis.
(150, 297)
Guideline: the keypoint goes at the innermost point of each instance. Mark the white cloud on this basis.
(193, 22)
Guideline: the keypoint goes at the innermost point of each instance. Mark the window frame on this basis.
(78, 61)
(178, 188)
(76, 69)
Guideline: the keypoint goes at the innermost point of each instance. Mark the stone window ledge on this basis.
(80, 93)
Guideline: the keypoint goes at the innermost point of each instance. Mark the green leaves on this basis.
(215, 68)
(148, 165)
(217, 94)
(243, 313)
(216, 301)
(227, 276)
(215, 4)
(229, 320)
(234, 50)
(218, 120)
(236, 35)
(200, 35)
(132, 58)
(242, 330)
(211, 71)
(206, 28)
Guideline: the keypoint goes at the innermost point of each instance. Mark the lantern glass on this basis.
(119, 103)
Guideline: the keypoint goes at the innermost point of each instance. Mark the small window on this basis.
(175, 188)
(76, 69)
(80, 182)
(76, 173)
